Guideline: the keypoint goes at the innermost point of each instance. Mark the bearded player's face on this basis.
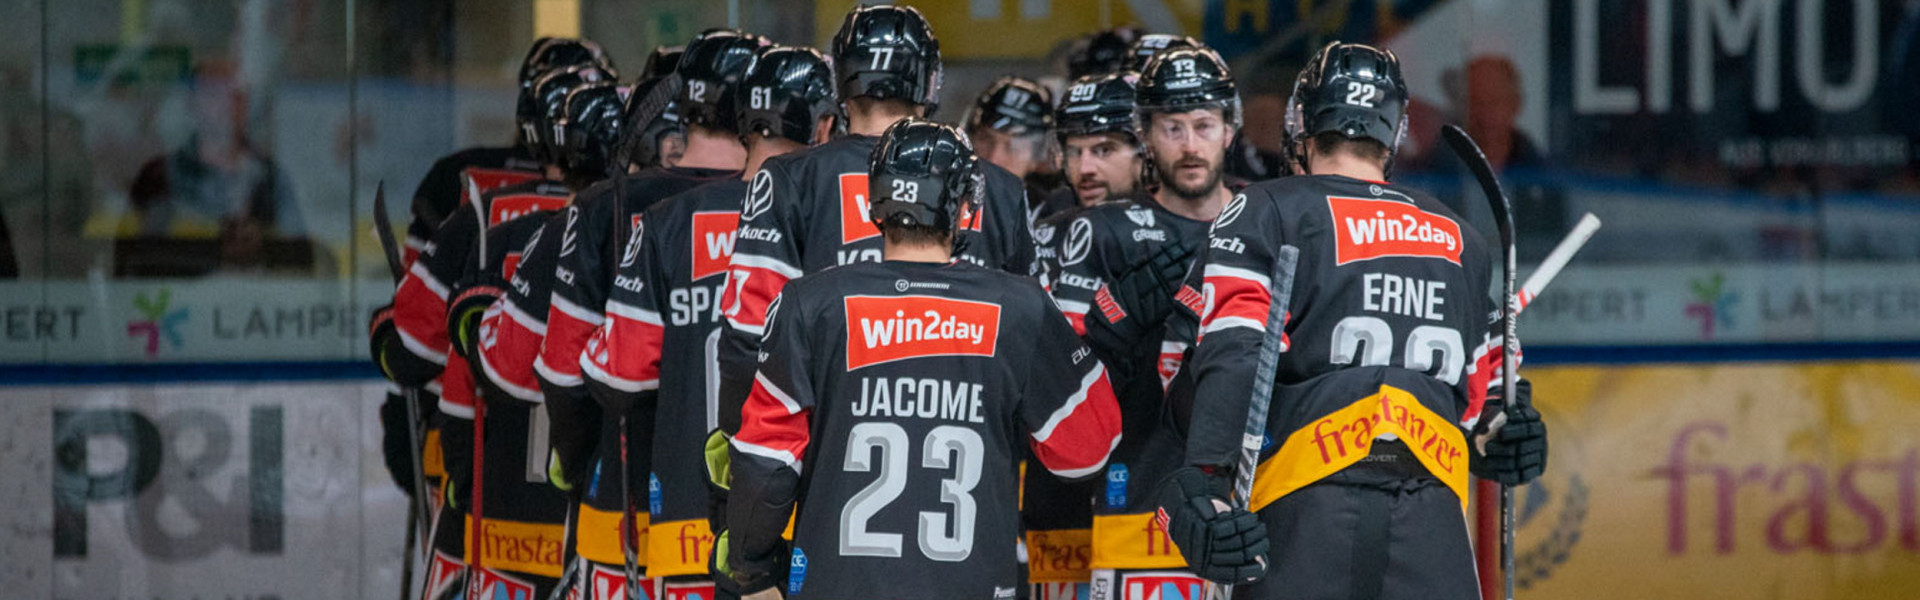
(1101, 166)
(1189, 150)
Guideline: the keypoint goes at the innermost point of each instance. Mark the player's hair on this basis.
(915, 235)
(1332, 142)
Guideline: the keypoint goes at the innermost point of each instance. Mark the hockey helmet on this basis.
(922, 173)
(888, 52)
(1014, 106)
(1353, 89)
(709, 68)
(786, 93)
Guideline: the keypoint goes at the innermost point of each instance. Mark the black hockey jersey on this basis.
(421, 300)
(903, 394)
(659, 346)
(588, 251)
(1386, 331)
(807, 211)
(1097, 247)
(445, 189)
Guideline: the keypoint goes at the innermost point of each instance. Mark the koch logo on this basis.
(159, 322)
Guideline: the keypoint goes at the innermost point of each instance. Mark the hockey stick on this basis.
(1280, 294)
(629, 519)
(474, 573)
(417, 511)
(1557, 259)
(1470, 153)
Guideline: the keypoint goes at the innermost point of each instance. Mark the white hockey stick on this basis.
(1557, 259)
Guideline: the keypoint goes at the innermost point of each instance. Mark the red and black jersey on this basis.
(517, 430)
(587, 251)
(1095, 248)
(445, 188)
(807, 211)
(1390, 289)
(660, 344)
(903, 395)
(421, 300)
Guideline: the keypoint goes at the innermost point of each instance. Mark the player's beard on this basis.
(1170, 175)
(1088, 184)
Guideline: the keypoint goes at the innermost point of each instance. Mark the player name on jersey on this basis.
(882, 329)
(919, 397)
(1369, 229)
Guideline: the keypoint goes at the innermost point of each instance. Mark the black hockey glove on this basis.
(464, 312)
(395, 443)
(456, 451)
(1516, 452)
(1222, 544)
(382, 333)
(1129, 310)
(573, 435)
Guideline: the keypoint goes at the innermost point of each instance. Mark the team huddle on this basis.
(754, 327)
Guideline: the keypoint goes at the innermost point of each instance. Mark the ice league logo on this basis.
(1712, 304)
(158, 322)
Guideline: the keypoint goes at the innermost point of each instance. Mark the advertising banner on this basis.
(212, 319)
(197, 491)
(1777, 480)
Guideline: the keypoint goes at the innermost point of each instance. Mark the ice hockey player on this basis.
(920, 377)
(1094, 126)
(1385, 365)
(417, 344)
(812, 214)
(438, 194)
(655, 355)
(1102, 52)
(1120, 264)
(1008, 122)
(1100, 153)
(579, 250)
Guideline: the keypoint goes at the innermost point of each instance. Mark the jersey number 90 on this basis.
(947, 446)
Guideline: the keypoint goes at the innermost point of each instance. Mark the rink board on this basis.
(1728, 480)
(197, 491)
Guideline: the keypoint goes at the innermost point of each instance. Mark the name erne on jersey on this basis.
(1395, 294)
(923, 398)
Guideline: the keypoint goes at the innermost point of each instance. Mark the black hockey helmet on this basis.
(1353, 89)
(1185, 79)
(1014, 106)
(1103, 52)
(1151, 45)
(594, 119)
(885, 52)
(786, 93)
(922, 173)
(546, 55)
(549, 108)
(549, 53)
(1096, 104)
(645, 132)
(662, 62)
(709, 68)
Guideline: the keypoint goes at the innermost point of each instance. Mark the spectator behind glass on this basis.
(218, 183)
